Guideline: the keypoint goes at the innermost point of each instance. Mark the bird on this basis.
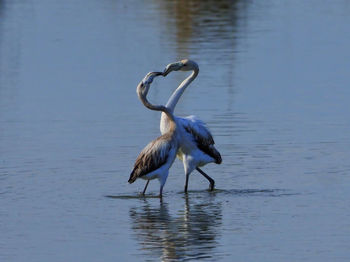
(157, 157)
(196, 143)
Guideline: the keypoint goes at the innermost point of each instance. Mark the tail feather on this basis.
(216, 156)
(218, 159)
(133, 176)
(211, 151)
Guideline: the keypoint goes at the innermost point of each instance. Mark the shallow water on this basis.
(273, 88)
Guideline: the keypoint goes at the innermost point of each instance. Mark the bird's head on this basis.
(144, 85)
(183, 65)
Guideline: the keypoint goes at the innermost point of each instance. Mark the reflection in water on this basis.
(203, 23)
(191, 234)
(207, 32)
(12, 31)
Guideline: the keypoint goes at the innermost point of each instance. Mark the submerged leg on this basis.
(162, 181)
(211, 181)
(186, 185)
(144, 190)
(188, 168)
(161, 192)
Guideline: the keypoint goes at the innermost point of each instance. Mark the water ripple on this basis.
(190, 234)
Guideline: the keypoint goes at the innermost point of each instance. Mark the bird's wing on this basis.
(201, 136)
(197, 129)
(152, 157)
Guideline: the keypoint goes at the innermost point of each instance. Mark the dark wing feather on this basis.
(152, 157)
(202, 137)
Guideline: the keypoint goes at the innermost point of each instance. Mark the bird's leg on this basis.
(162, 181)
(144, 190)
(211, 181)
(186, 185)
(161, 192)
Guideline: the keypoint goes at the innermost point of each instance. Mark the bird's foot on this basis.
(211, 186)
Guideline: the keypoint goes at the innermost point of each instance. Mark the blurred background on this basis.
(273, 88)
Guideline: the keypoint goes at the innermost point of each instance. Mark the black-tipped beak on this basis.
(148, 79)
(172, 67)
(157, 73)
(166, 71)
(153, 74)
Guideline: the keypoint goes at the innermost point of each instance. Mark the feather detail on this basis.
(202, 137)
(198, 129)
(152, 157)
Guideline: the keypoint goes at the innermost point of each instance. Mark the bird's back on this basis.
(153, 156)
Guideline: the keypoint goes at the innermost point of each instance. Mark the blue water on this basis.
(273, 88)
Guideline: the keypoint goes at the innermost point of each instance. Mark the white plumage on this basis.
(185, 137)
(196, 144)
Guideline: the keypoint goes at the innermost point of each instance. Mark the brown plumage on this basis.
(152, 157)
(157, 157)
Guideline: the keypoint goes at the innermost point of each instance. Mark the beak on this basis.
(157, 73)
(172, 67)
(167, 70)
(153, 74)
(148, 79)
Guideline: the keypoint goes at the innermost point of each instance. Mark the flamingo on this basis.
(157, 157)
(196, 143)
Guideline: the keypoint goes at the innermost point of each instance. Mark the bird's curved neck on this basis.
(161, 108)
(180, 90)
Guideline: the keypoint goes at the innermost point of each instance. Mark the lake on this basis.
(273, 88)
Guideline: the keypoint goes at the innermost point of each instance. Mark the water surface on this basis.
(273, 88)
